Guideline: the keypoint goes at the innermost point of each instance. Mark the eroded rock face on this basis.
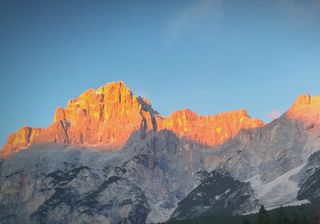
(306, 109)
(310, 179)
(279, 160)
(217, 194)
(52, 183)
(155, 170)
(209, 130)
(106, 116)
(109, 115)
(66, 186)
(19, 140)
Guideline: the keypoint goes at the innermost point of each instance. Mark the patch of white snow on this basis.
(278, 192)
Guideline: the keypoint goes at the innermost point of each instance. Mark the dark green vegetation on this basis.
(311, 188)
(218, 193)
(305, 214)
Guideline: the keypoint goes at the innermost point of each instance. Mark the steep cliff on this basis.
(106, 117)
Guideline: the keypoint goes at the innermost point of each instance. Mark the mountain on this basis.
(277, 159)
(107, 117)
(109, 157)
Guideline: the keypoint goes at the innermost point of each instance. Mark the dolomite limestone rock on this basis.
(109, 115)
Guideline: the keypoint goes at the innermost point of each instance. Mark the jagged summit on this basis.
(109, 115)
(105, 116)
(306, 108)
(159, 173)
(210, 130)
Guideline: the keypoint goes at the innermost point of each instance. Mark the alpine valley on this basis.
(110, 157)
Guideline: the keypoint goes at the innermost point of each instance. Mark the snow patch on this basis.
(218, 197)
(255, 181)
(159, 214)
(199, 194)
(278, 192)
(294, 203)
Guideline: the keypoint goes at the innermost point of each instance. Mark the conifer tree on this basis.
(263, 216)
(282, 217)
(296, 219)
(245, 221)
(317, 213)
(304, 220)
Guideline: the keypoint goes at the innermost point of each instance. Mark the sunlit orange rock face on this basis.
(108, 116)
(306, 108)
(209, 130)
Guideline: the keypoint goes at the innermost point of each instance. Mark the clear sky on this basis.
(207, 55)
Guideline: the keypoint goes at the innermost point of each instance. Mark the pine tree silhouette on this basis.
(317, 213)
(245, 221)
(295, 218)
(304, 220)
(263, 216)
(282, 217)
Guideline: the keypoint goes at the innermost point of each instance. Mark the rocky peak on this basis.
(183, 115)
(59, 114)
(303, 100)
(106, 116)
(109, 115)
(306, 108)
(211, 130)
(117, 92)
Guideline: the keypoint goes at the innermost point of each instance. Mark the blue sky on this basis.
(210, 55)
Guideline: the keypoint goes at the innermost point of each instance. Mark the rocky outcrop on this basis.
(217, 194)
(309, 179)
(306, 108)
(65, 187)
(106, 117)
(74, 197)
(212, 130)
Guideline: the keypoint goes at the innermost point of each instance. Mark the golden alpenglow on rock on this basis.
(109, 115)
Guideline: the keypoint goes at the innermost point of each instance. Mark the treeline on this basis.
(280, 216)
(305, 214)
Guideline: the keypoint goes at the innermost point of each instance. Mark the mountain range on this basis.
(110, 157)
